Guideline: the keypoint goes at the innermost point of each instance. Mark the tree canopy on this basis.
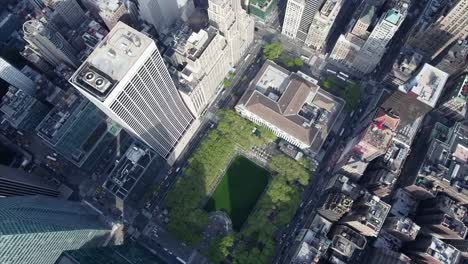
(254, 243)
(273, 51)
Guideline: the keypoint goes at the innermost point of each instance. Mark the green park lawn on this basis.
(239, 190)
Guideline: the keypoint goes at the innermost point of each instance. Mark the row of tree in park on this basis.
(254, 243)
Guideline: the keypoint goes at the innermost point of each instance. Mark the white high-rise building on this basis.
(15, 77)
(204, 55)
(70, 11)
(234, 23)
(292, 18)
(298, 18)
(48, 44)
(322, 24)
(163, 13)
(373, 50)
(127, 79)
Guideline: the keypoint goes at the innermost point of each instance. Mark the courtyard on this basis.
(238, 191)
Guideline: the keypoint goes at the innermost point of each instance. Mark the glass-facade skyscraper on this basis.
(37, 229)
(131, 253)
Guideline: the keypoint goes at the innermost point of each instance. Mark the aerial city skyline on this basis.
(234, 131)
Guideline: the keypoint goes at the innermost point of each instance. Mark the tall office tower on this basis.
(127, 79)
(322, 24)
(14, 182)
(369, 143)
(235, 25)
(375, 46)
(442, 23)
(49, 44)
(36, 229)
(78, 131)
(163, 13)
(15, 77)
(292, 18)
(125, 254)
(69, 10)
(298, 18)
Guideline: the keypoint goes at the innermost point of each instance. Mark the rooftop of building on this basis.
(192, 44)
(448, 159)
(454, 224)
(292, 103)
(343, 184)
(61, 117)
(15, 105)
(395, 156)
(378, 136)
(373, 210)
(128, 170)
(368, 14)
(314, 242)
(345, 240)
(448, 205)
(110, 61)
(402, 225)
(406, 63)
(462, 91)
(443, 252)
(403, 204)
(393, 16)
(381, 130)
(409, 109)
(427, 85)
(108, 7)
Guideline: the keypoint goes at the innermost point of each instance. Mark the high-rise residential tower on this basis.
(49, 44)
(37, 229)
(15, 77)
(127, 79)
(442, 23)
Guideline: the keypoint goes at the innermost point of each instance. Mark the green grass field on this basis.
(239, 190)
